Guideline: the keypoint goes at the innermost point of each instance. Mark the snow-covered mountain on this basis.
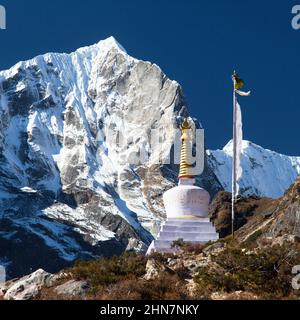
(67, 189)
(70, 125)
(265, 172)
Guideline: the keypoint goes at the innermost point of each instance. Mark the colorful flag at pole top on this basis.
(238, 84)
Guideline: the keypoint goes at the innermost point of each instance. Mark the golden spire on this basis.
(185, 171)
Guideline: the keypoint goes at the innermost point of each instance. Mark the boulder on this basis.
(214, 248)
(28, 287)
(72, 289)
(153, 269)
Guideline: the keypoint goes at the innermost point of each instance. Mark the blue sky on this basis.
(198, 43)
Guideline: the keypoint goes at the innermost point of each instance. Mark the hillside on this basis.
(256, 264)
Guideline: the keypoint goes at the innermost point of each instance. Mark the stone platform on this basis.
(192, 230)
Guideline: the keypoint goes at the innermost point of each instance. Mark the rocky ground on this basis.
(218, 271)
(256, 264)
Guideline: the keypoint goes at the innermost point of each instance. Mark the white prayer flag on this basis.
(243, 93)
(238, 146)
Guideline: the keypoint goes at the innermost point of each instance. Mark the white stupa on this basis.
(186, 206)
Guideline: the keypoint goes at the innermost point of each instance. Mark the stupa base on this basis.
(191, 230)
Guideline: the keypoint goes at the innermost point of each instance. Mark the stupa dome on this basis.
(186, 201)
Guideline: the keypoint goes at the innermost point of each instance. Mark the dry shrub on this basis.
(165, 287)
(266, 271)
(195, 248)
(161, 257)
(103, 272)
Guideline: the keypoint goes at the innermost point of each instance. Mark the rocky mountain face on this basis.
(79, 176)
(70, 124)
(260, 220)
